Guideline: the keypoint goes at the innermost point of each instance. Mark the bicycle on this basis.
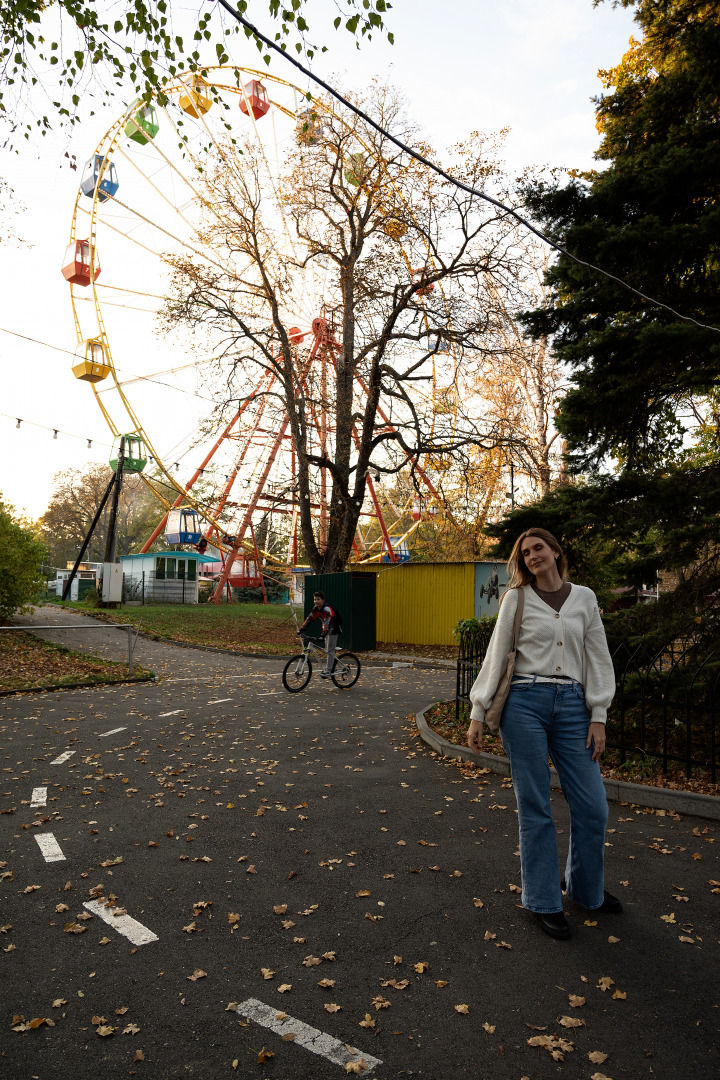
(298, 670)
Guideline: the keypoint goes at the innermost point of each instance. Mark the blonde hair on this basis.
(518, 573)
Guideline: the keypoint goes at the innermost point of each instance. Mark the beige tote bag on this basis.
(493, 714)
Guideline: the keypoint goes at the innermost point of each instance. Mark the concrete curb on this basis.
(681, 802)
(208, 648)
(386, 660)
(410, 660)
(373, 661)
(174, 641)
(152, 677)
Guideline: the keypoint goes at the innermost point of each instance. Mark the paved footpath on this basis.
(218, 878)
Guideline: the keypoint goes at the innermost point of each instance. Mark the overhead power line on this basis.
(133, 378)
(452, 179)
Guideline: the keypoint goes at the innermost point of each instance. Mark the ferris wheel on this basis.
(143, 203)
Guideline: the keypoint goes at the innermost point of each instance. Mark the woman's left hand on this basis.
(596, 735)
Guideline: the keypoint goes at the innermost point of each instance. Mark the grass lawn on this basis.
(28, 663)
(249, 628)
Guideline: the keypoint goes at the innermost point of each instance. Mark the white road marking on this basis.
(173, 713)
(130, 928)
(219, 700)
(311, 1038)
(63, 757)
(38, 798)
(51, 850)
(268, 693)
(113, 731)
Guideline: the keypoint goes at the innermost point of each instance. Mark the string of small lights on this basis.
(21, 421)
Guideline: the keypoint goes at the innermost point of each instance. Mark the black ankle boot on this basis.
(554, 924)
(610, 905)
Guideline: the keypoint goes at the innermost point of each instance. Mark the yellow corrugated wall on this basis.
(420, 603)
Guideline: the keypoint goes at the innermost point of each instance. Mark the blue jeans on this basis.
(541, 719)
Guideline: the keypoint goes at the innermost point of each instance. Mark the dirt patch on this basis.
(28, 663)
(439, 652)
(441, 719)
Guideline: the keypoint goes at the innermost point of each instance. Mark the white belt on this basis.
(559, 681)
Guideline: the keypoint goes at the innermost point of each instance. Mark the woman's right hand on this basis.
(475, 736)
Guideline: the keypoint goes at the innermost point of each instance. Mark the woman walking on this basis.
(562, 672)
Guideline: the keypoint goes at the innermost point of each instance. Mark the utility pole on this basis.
(511, 493)
(86, 541)
(111, 539)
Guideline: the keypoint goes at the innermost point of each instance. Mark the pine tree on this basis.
(652, 218)
(644, 382)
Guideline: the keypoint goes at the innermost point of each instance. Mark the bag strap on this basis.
(518, 617)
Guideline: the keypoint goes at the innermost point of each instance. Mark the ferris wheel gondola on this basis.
(99, 181)
(183, 526)
(134, 453)
(77, 264)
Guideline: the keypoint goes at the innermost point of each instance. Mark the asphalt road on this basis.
(305, 851)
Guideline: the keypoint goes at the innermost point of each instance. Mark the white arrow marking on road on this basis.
(130, 928)
(218, 700)
(63, 757)
(38, 798)
(51, 850)
(311, 1038)
(113, 731)
(173, 713)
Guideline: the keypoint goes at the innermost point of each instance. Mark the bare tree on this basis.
(404, 275)
(75, 497)
(519, 381)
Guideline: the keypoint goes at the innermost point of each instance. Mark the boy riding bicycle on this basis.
(331, 629)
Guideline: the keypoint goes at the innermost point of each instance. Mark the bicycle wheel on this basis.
(296, 673)
(347, 670)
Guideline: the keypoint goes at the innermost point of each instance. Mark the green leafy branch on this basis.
(71, 43)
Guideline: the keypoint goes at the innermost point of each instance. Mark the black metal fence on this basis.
(666, 700)
(471, 653)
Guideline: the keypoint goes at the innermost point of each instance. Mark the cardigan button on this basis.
(557, 616)
(559, 642)
(558, 669)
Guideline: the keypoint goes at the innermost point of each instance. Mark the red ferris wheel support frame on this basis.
(325, 349)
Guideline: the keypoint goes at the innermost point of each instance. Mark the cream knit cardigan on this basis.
(566, 642)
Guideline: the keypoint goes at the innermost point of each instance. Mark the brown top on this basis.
(556, 599)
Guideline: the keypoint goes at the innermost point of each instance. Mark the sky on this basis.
(526, 65)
